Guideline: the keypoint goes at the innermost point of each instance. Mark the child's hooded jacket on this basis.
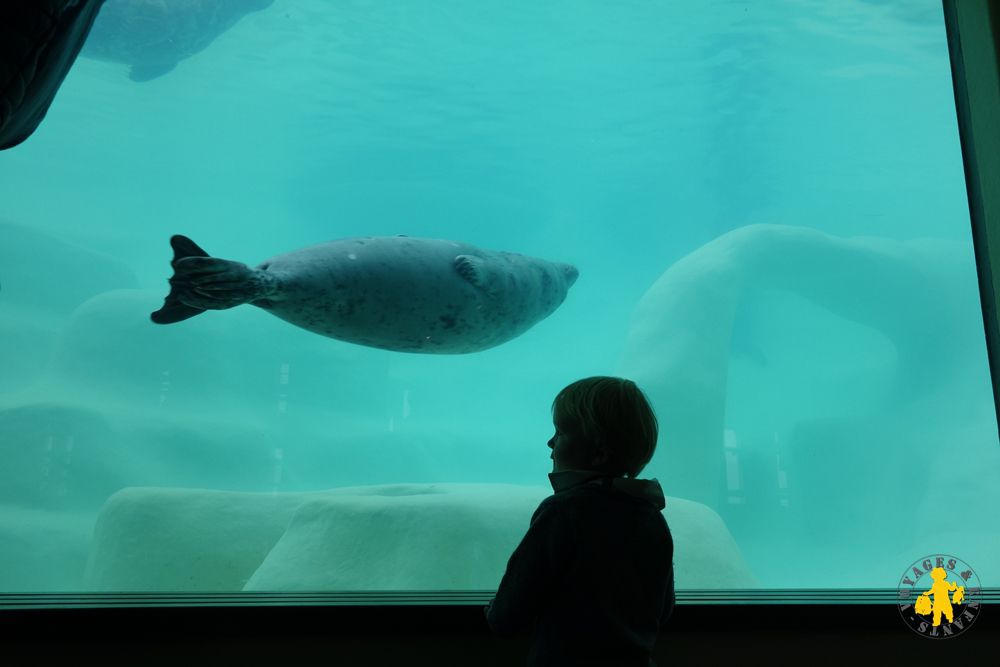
(592, 580)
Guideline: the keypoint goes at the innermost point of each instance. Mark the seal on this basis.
(154, 36)
(392, 292)
(41, 41)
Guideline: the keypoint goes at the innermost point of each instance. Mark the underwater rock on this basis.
(413, 537)
(396, 536)
(36, 295)
(109, 346)
(57, 456)
(68, 453)
(158, 539)
(42, 276)
(705, 553)
(153, 36)
(915, 293)
(454, 537)
(42, 551)
(245, 364)
(27, 347)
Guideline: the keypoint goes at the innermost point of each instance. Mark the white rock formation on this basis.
(391, 537)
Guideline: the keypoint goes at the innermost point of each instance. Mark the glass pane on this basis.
(764, 203)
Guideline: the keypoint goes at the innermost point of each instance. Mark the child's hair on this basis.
(615, 413)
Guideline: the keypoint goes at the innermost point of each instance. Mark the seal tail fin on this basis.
(173, 309)
(201, 283)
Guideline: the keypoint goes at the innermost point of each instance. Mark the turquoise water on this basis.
(766, 206)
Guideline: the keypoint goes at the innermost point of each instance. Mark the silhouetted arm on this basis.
(669, 601)
(532, 573)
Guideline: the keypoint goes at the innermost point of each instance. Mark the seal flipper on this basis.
(201, 283)
(185, 247)
(478, 272)
(471, 268)
(174, 310)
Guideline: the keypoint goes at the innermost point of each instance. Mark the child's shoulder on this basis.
(581, 493)
(561, 499)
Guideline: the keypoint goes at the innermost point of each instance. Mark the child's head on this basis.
(605, 424)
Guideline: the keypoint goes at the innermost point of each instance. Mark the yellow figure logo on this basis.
(957, 600)
(942, 601)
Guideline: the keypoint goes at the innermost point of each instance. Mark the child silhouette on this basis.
(940, 590)
(592, 581)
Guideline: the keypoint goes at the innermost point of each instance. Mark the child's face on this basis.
(570, 450)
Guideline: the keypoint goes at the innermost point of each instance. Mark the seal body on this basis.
(153, 35)
(396, 293)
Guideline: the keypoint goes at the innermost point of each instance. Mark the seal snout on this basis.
(570, 273)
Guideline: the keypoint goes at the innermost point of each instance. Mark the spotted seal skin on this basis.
(396, 293)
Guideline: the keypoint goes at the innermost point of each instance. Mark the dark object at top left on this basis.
(39, 41)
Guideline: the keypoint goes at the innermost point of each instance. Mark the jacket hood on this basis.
(647, 489)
